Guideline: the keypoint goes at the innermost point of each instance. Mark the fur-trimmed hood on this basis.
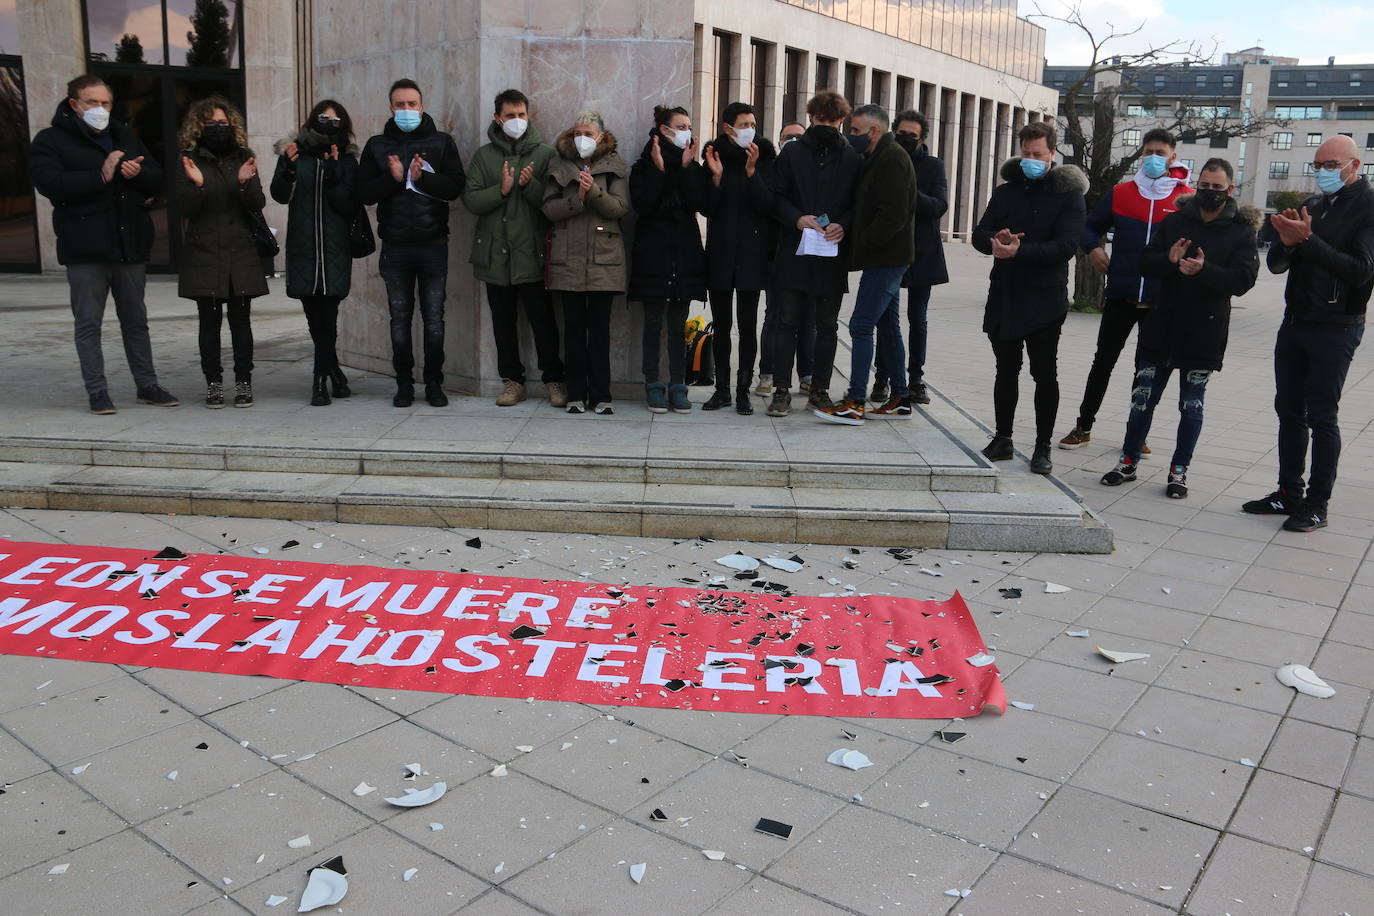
(605, 158)
(279, 147)
(1244, 214)
(1060, 178)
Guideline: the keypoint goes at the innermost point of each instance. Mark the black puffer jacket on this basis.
(739, 229)
(321, 204)
(405, 217)
(667, 261)
(1031, 291)
(218, 256)
(1188, 324)
(932, 200)
(814, 176)
(884, 230)
(1330, 275)
(94, 221)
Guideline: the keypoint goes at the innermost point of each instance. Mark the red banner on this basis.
(496, 636)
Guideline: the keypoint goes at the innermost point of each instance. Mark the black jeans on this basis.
(322, 317)
(676, 310)
(1042, 347)
(1119, 316)
(402, 267)
(587, 345)
(747, 303)
(917, 311)
(240, 335)
(1310, 365)
(795, 310)
(805, 341)
(505, 302)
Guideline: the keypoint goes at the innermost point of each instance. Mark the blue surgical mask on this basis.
(1329, 181)
(859, 142)
(1154, 166)
(1033, 168)
(407, 119)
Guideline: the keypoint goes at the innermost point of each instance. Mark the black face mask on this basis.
(217, 138)
(328, 128)
(823, 131)
(909, 143)
(1211, 199)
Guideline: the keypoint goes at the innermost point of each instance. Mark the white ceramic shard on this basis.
(409, 873)
(299, 842)
(637, 872)
(1300, 678)
(274, 900)
(1081, 634)
(435, 826)
(931, 572)
(1246, 761)
(1054, 588)
(715, 855)
(173, 775)
(981, 660)
(1020, 705)
(324, 888)
(498, 770)
(362, 789)
(849, 759)
(738, 562)
(60, 869)
(77, 771)
(414, 798)
(415, 769)
(525, 748)
(783, 564)
(1114, 655)
(500, 867)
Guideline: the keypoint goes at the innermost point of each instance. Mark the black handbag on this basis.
(361, 241)
(263, 239)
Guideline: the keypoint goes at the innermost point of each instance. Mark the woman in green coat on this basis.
(315, 176)
(217, 189)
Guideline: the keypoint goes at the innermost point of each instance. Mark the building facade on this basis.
(1307, 105)
(971, 66)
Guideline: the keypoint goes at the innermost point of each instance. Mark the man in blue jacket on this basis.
(1131, 211)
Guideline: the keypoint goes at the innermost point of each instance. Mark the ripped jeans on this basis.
(1150, 380)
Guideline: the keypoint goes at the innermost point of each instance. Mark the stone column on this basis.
(620, 56)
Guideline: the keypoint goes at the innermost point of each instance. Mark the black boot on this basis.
(721, 398)
(743, 405)
(319, 395)
(405, 394)
(339, 382)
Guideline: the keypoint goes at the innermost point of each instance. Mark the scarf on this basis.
(1161, 187)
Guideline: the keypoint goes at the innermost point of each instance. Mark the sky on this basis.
(1282, 27)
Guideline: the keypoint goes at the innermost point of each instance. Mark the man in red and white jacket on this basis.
(1131, 211)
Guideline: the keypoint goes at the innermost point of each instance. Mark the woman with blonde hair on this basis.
(219, 195)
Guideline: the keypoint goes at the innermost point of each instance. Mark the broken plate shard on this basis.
(169, 553)
(414, 798)
(77, 771)
(657, 815)
(981, 660)
(739, 562)
(849, 759)
(1020, 705)
(1009, 592)
(773, 828)
(1081, 634)
(325, 887)
(1054, 588)
(498, 770)
(362, 789)
(715, 855)
(931, 572)
(951, 737)
(60, 869)
(1300, 678)
(637, 872)
(956, 892)
(299, 842)
(274, 900)
(408, 874)
(1119, 657)
(1246, 761)
(792, 565)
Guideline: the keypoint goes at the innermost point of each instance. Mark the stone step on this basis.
(1045, 520)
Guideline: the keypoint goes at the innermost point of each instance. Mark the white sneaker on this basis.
(765, 385)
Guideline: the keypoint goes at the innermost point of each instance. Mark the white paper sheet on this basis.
(814, 243)
(410, 185)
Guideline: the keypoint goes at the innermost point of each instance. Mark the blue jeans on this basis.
(1150, 381)
(402, 267)
(806, 343)
(877, 306)
(1310, 365)
(917, 308)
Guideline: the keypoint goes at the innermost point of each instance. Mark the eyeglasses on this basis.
(1330, 164)
(326, 119)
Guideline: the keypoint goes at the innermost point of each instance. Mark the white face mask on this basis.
(585, 146)
(681, 138)
(515, 128)
(744, 136)
(98, 118)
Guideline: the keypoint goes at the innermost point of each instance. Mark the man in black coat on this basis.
(1203, 254)
(1031, 227)
(882, 245)
(99, 178)
(411, 170)
(1327, 250)
(813, 198)
(928, 269)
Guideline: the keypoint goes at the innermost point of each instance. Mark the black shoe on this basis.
(214, 395)
(1124, 472)
(819, 400)
(743, 405)
(721, 398)
(243, 394)
(319, 394)
(434, 394)
(919, 394)
(1178, 483)
(1306, 518)
(405, 395)
(1280, 502)
(880, 394)
(999, 449)
(1040, 460)
(781, 405)
(158, 397)
(339, 382)
(101, 403)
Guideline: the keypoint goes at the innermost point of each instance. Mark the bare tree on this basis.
(1090, 112)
